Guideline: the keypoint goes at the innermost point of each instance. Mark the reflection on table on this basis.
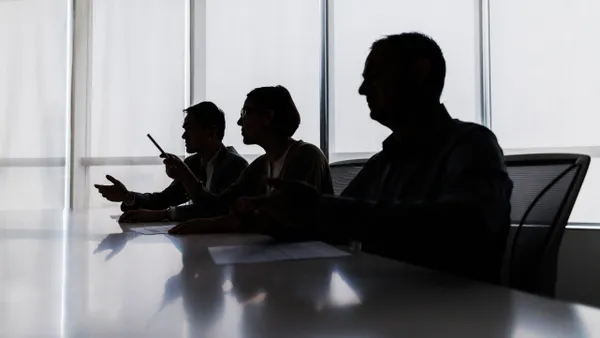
(81, 274)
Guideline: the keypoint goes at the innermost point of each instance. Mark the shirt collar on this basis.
(212, 159)
(440, 121)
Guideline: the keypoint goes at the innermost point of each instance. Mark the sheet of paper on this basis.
(151, 228)
(273, 252)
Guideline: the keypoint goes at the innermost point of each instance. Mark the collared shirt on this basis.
(303, 162)
(274, 167)
(227, 165)
(210, 169)
(408, 167)
(446, 196)
(420, 168)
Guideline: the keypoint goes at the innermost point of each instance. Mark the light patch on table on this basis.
(274, 252)
(152, 228)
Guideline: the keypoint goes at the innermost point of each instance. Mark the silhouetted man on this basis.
(437, 195)
(269, 119)
(216, 166)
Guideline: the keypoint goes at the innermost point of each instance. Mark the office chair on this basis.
(544, 193)
(343, 172)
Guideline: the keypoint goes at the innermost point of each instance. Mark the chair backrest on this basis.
(544, 193)
(343, 172)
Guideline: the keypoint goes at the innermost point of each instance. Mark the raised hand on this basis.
(176, 168)
(117, 192)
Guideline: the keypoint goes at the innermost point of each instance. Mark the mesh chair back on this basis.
(545, 189)
(343, 172)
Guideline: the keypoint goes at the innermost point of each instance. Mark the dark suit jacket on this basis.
(228, 167)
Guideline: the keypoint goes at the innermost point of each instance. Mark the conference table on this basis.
(81, 274)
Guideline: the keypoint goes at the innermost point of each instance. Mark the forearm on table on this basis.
(461, 233)
(221, 224)
(155, 201)
(185, 213)
(367, 220)
(455, 235)
(150, 201)
(194, 187)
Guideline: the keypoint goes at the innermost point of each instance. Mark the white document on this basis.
(151, 228)
(273, 252)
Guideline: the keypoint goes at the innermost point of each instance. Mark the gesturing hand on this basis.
(117, 192)
(176, 168)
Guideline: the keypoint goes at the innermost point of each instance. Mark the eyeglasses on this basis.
(246, 111)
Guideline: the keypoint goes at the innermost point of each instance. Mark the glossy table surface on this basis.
(80, 275)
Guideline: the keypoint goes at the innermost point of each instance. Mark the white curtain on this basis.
(33, 95)
(357, 24)
(545, 85)
(137, 87)
(259, 43)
